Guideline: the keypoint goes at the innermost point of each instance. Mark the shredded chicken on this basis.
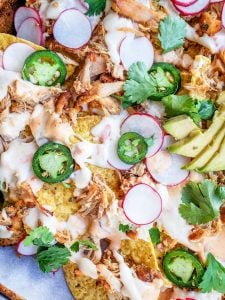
(95, 198)
(209, 229)
(110, 262)
(28, 94)
(147, 274)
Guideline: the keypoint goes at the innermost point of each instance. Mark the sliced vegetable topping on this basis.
(192, 9)
(53, 162)
(31, 30)
(183, 268)
(169, 40)
(44, 68)
(148, 127)
(142, 204)
(132, 148)
(161, 80)
(23, 13)
(167, 79)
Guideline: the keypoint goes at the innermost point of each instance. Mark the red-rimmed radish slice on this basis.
(215, 1)
(30, 30)
(184, 3)
(114, 159)
(26, 250)
(142, 204)
(193, 9)
(81, 6)
(20, 51)
(223, 15)
(23, 13)
(147, 126)
(136, 49)
(165, 167)
(72, 29)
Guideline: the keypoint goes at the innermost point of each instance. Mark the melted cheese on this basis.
(15, 163)
(113, 38)
(133, 287)
(12, 124)
(46, 125)
(6, 79)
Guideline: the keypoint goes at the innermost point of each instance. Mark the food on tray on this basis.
(112, 143)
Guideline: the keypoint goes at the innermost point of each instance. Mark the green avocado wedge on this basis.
(217, 162)
(207, 153)
(179, 127)
(192, 145)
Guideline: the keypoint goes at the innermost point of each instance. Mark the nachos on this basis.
(112, 145)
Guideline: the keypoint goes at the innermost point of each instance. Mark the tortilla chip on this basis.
(60, 198)
(139, 252)
(83, 287)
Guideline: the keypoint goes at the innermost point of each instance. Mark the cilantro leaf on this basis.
(139, 86)
(206, 109)
(124, 227)
(178, 105)
(154, 235)
(86, 243)
(172, 33)
(201, 202)
(40, 236)
(214, 277)
(53, 258)
(96, 7)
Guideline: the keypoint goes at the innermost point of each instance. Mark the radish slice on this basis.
(19, 50)
(72, 29)
(24, 13)
(147, 126)
(136, 49)
(184, 3)
(142, 204)
(215, 1)
(26, 250)
(165, 167)
(193, 9)
(30, 30)
(114, 159)
(223, 15)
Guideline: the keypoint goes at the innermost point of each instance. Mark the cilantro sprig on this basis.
(124, 227)
(40, 236)
(52, 256)
(154, 234)
(96, 7)
(85, 243)
(214, 277)
(201, 202)
(176, 105)
(172, 33)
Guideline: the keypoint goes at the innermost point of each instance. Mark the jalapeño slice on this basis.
(183, 268)
(44, 68)
(132, 148)
(168, 79)
(52, 162)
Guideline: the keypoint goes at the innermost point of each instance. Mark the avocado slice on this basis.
(192, 146)
(206, 154)
(179, 127)
(217, 162)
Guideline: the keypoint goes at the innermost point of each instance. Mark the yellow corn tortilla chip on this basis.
(83, 287)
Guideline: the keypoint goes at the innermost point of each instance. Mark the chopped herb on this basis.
(40, 236)
(201, 202)
(53, 258)
(96, 7)
(172, 33)
(86, 243)
(206, 109)
(154, 235)
(124, 227)
(214, 277)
